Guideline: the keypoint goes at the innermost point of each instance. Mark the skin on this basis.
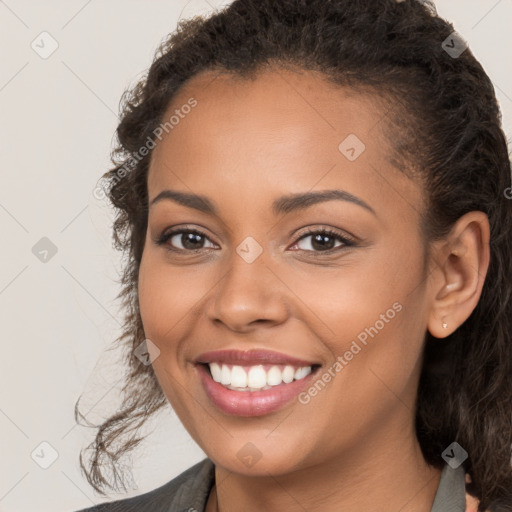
(246, 143)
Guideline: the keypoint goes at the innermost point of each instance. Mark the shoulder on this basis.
(188, 490)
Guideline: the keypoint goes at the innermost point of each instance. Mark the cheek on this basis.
(167, 295)
(371, 314)
(164, 301)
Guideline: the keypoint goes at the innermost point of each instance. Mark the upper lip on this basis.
(251, 357)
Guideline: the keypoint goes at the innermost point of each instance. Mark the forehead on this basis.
(278, 131)
(294, 107)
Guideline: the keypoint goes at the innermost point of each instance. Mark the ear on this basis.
(461, 260)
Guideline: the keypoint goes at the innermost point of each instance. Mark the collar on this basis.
(451, 492)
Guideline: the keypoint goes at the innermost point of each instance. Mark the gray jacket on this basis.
(189, 492)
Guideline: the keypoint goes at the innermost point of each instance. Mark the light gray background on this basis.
(58, 116)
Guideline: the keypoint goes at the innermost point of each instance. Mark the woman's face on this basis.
(262, 288)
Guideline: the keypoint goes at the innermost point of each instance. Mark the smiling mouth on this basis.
(253, 390)
(260, 377)
(253, 382)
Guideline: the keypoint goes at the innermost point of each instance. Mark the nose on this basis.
(248, 295)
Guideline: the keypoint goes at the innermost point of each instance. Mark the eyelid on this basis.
(346, 239)
(168, 233)
(312, 230)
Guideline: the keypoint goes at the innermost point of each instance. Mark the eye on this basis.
(190, 240)
(323, 240)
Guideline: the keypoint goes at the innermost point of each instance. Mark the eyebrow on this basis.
(282, 205)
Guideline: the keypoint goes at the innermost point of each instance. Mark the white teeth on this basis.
(216, 372)
(238, 377)
(300, 373)
(257, 377)
(288, 374)
(225, 377)
(253, 378)
(274, 376)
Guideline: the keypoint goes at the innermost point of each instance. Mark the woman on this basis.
(312, 196)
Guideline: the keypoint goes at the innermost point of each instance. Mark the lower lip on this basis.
(251, 403)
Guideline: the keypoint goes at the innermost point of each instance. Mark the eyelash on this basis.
(347, 242)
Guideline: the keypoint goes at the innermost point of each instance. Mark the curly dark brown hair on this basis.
(444, 126)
